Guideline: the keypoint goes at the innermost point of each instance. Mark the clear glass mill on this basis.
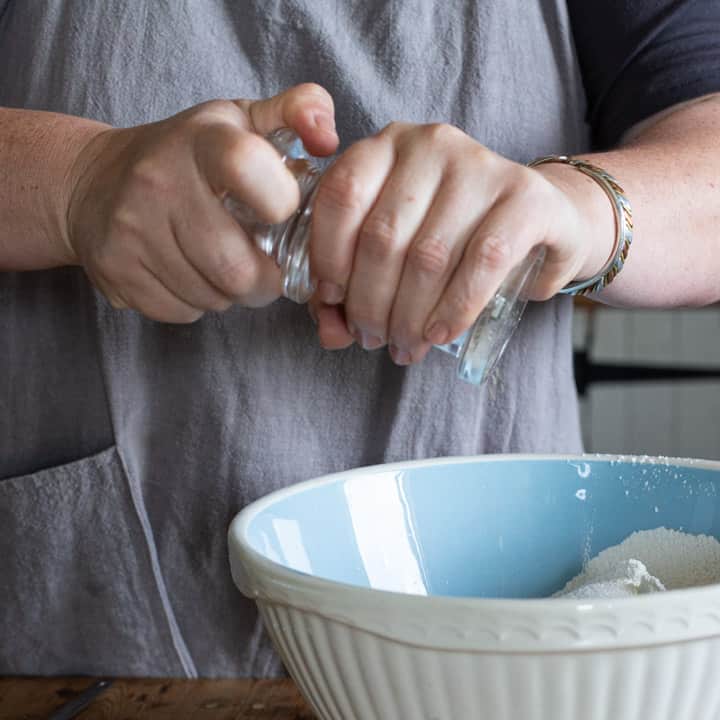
(477, 350)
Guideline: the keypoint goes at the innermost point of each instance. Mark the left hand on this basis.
(415, 228)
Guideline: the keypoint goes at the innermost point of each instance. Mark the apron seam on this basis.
(179, 644)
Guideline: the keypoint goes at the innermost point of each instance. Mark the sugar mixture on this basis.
(648, 561)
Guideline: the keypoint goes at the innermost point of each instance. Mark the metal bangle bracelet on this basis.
(623, 224)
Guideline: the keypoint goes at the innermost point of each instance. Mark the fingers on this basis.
(431, 260)
(174, 269)
(245, 166)
(503, 238)
(143, 291)
(174, 285)
(345, 196)
(151, 218)
(214, 244)
(415, 230)
(197, 253)
(332, 327)
(308, 109)
(382, 246)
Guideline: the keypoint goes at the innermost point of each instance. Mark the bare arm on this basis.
(37, 152)
(669, 168)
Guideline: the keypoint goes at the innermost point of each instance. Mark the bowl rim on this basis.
(639, 619)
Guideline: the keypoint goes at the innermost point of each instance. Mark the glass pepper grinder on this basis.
(478, 349)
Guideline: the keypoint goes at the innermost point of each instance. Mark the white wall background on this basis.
(678, 418)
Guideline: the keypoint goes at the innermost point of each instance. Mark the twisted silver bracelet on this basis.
(623, 224)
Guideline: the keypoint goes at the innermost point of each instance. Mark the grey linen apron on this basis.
(126, 446)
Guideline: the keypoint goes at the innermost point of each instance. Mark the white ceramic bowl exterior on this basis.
(351, 674)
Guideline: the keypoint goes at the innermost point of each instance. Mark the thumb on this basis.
(308, 109)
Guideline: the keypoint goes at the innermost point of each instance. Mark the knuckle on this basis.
(430, 256)
(379, 236)
(124, 222)
(214, 111)
(393, 128)
(525, 185)
(460, 307)
(442, 133)
(327, 264)
(304, 98)
(484, 158)
(243, 147)
(475, 158)
(311, 90)
(341, 188)
(149, 176)
(492, 253)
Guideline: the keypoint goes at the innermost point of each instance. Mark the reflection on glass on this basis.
(384, 534)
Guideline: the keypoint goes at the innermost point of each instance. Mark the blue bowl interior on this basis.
(516, 528)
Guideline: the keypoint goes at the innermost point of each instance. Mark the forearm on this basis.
(669, 171)
(37, 154)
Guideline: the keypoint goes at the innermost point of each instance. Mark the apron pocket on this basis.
(77, 593)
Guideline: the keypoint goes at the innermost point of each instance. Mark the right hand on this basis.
(146, 219)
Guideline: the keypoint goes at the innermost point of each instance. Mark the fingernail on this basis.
(371, 342)
(330, 293)
(437, 334)
(325, 122)
(400, 357)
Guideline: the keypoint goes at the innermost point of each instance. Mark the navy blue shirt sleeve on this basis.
(639, 57)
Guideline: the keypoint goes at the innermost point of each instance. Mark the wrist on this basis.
(86, 143)
(596, 216)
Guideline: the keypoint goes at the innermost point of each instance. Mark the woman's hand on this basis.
(146, 218)
(415, 228)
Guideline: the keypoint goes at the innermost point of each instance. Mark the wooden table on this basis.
(36, 698)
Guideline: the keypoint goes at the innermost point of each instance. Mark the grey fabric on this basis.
(206, 418)
(78, 569)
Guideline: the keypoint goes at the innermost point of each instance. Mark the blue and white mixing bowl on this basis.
(420, 590)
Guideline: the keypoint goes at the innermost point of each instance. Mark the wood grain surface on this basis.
(139, 699)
